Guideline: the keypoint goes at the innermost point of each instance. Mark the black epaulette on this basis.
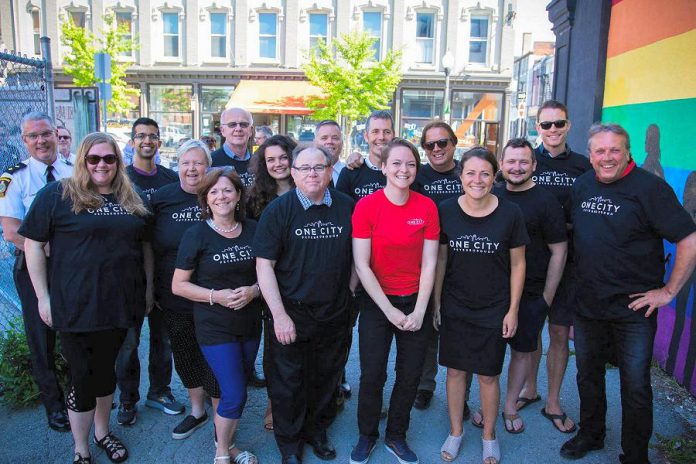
(16, 167)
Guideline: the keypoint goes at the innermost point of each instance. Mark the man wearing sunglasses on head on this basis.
(557, 169)
(149, 177)
(237, 128)
(18, 188)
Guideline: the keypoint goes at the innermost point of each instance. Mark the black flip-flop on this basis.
(527, 401)
(561, 417)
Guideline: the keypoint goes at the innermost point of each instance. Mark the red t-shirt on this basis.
(397, 234)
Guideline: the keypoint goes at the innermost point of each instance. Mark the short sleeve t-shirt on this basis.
(312, 250)
(221, 263)
(619, 231)
(175, 211)
(361, 182)
(397, 234)
(557, 174)
(436, 185)
(477, 278)
(96, 273)
(545, 222)
(150, 183)
(220, 158)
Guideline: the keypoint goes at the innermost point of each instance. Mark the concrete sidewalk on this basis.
(26, 438)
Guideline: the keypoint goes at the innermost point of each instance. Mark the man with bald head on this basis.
(237, 128)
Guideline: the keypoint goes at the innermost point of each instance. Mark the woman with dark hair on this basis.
(478, 285)
(216, 269)
(271, 166)
(395, 233)
(94, 294)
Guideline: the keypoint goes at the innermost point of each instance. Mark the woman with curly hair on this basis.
(271, 166)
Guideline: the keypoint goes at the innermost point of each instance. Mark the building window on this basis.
(124, 22)
(170, 106)
(218, 35)
(318, 29)
(36, 26)
(418, 107)
(372, 25)
(425, 37)
(478, 42)
(476, 118)
(171, 34)
(78, 18)
(268, 34)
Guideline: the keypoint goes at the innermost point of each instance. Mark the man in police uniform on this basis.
(18, 187)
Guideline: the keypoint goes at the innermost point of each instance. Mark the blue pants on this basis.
(230, 363)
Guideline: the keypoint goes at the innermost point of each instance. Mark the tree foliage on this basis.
(353, 83)
(79, 61)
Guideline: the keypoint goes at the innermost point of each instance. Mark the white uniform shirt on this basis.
(19, 185)
(337, 168)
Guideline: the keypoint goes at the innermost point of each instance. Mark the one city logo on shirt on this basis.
(415, 222)
(189, 214)
(247, 179)
(367, 189)
(319, 230)
(148, 192)
(234, 254)
(600, 205)
(554, 178)
(473, 244)
(443, 186)
(109, 208)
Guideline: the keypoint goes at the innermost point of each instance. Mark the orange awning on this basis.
(273, 96)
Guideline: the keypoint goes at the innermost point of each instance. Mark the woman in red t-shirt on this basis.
(395, 242)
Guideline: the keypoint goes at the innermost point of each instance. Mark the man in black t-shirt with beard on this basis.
(303, 249)
(621, 214)
(149, 177)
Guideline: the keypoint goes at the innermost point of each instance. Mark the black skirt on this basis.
(467, 347)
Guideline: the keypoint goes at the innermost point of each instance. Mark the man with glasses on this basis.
(149, 177)
(64, 145)
(237, 128)
(303, 249)
(557, 169)
(18, 187)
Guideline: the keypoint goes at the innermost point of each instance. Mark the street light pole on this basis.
(447, 64)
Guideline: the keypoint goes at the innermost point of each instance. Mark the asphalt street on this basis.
(25, 437)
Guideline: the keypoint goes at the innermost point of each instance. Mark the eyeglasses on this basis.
(560, 124)
(64, 137)
(224, 169)
(44, 135)
(442, 143)
(241, 124)
(153, 137)
(305, 170)
(95, 159)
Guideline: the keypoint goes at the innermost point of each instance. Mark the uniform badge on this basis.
(4, 183)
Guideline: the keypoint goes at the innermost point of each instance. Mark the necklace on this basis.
(220, 229)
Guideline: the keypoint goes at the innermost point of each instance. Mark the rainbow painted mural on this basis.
(650, 89)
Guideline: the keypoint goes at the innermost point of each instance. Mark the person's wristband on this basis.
(258, 288)
(210, 297)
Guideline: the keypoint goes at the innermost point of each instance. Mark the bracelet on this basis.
(210, 297)
(257, 287)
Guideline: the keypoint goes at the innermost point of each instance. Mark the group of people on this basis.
(454, 260)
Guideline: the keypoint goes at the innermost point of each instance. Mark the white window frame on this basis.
(225, 36)
(486, 40)
(36, 32)
(266, 59)
(179, 35)
(327, 37)
(381, 12)
(131, 55)
(433, 39)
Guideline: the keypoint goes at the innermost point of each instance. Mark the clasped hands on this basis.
(406, 322)
(234, 298)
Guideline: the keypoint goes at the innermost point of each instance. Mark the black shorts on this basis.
(530, 321)
(468, 347)
(562, 311)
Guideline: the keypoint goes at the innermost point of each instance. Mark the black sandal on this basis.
(80, 459)
(112, 445)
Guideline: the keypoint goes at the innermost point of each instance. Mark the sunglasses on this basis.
(546, 125)
(64, 137)
(232, 125)
(442, 143)
(95, 159)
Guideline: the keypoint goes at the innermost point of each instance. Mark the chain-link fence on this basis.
(24, 87)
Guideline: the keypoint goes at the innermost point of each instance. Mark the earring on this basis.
(236, 208)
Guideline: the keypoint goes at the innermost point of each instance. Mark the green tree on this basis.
(353, 83)
(79, 61)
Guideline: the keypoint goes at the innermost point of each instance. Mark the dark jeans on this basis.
(302, 379)
(160, 360)
(630, 340)
(41, 340)
(376, 334)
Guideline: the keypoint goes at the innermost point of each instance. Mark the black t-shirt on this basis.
(312, 250)
(175, 211)
(477, 279)
(437, 186)
(361, 182)
(220, 158)
(619, 231)
(221, 263)
(557, 174)
(96, 275)
(150, 184)
(546, 225)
